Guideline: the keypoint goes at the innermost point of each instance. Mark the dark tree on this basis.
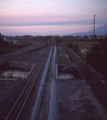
(75, 47)
(70, 45)
(2, 43)
(98, 56)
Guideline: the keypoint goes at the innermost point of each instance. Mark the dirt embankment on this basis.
(23, 54)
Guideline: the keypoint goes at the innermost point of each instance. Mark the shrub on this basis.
(70, 45)
(75, 47)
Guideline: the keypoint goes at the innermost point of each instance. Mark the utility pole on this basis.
(94, 30)
(94, 25)
(105, 34)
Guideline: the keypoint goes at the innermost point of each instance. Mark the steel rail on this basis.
(26, 87)
(47, 80)
(99, 88)
(85, 69)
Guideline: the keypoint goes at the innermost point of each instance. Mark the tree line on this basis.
(9, 46)
(4, 46)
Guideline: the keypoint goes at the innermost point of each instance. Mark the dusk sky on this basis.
(48, 17)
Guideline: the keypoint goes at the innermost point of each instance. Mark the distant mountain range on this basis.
(99, 31)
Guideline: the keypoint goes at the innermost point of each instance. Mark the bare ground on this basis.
(9, 90)
(75, 98)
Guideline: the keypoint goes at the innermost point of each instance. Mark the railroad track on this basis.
(17, 108)
(95, 81)
(43, 106)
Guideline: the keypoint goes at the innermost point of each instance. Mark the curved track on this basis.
(95, 81)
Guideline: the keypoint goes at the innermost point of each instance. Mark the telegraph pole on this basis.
(105, 33)
(94, 25)
(94, 30)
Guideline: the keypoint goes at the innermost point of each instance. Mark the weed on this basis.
(87, 104)
(88, 100)
(8, 76)
(82, 94)
(2, 76)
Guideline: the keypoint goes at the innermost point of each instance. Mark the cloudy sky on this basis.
(45, 17)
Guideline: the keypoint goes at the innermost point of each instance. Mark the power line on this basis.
(94, 26)
(93, 29)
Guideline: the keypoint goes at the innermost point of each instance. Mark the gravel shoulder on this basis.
(10, 89)
(75, 99)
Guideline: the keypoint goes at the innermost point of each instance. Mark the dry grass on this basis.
(62, 57)
(88, 106)
(81, 55)
(84, 44)
(82, 94)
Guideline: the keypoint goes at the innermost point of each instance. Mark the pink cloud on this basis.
(44, 29)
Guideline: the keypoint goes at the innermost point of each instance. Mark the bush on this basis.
(75, 47)
(19, 45)
(70, 45)
(2, 76)
(8, 46)
(5, 50)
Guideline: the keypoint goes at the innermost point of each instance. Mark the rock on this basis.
(20, 65)
(66, 68)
